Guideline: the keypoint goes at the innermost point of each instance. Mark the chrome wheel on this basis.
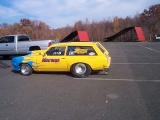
(25, 69)
(80, 68)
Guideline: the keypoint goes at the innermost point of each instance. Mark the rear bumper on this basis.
(108, 62)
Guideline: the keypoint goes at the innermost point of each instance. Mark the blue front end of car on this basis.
(16, 61)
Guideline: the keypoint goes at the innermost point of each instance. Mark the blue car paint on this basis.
(29, 52)
(16, 61)
(30, 63)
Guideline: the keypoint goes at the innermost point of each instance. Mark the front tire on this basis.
(25, 69)
(81, 70)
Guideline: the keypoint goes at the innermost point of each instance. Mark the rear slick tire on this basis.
(80, 70)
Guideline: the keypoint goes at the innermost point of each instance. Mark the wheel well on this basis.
(80, 62)
(27, 64)
(24, 63)
(32, 48)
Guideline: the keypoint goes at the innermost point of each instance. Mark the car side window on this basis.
(56, 51)
(7, 39)
(11, 39)
(81, 50)
(23, 38)
(4, 40)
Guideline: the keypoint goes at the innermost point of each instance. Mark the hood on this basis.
(36, 52)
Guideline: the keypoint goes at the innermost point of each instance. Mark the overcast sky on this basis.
(59, 13)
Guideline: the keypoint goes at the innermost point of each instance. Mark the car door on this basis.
(7, 45)
(23, 44)
(53, 60)
(2, 45)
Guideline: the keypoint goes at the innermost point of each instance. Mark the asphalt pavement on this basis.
(129, 92)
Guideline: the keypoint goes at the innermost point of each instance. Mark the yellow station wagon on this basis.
(79, 58)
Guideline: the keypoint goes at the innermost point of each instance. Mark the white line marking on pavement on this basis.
(150, 48)
(125, 49)
(127, 80)
(137, 63)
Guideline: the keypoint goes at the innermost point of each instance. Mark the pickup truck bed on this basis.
(20, 44)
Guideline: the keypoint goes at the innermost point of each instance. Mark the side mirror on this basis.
(44, 54)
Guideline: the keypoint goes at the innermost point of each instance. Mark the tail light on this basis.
(49, 44)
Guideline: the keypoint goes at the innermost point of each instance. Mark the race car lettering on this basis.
(50, 60)
(80, 51)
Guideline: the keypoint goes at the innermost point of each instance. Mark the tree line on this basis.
(149, 20)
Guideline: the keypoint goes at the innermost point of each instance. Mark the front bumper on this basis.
(16, 62)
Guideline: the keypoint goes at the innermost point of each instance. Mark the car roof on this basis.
(75, 43)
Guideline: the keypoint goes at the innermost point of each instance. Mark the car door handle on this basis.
(6, 44)
(63, 58)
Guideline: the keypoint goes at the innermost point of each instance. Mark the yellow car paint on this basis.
(65, 55)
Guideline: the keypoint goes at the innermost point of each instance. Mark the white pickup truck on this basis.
(20, 44)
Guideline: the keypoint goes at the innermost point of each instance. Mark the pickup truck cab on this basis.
(19, 44)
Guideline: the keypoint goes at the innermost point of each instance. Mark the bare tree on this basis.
(151, 18)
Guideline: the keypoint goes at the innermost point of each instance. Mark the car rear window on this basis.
(101, 48)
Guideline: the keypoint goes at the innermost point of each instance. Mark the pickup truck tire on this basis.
(6, 56)
(81, 70)
(25, 69)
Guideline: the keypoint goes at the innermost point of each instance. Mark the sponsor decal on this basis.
(80, 51)
(57, 53)
(71, 52)
(50, 60)
(91, 53)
